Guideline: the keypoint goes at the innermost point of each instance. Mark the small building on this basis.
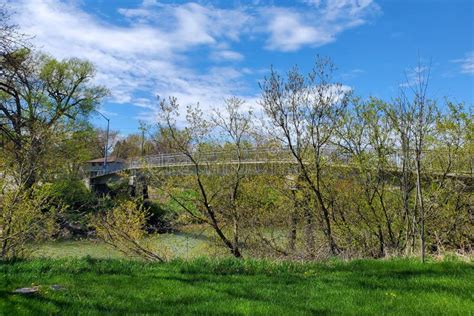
(95, 167)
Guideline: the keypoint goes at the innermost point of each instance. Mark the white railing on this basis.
(228, 157)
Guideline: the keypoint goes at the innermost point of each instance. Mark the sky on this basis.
(207, 51)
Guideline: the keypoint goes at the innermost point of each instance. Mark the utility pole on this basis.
(106, 147)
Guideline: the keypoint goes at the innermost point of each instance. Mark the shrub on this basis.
(72, 193)
(124, 228)
(74, 199)
(159, 218)
(25, 216)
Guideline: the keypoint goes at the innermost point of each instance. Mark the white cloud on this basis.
(152, 52)
(149, 3)
(352, 74)
(289, 32)
(467, 63)
(223, 55)
(141, 13)
(139, 58)
(291, 29)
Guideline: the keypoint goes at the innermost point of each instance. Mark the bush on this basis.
(72, 193)
(159, 217)
(74, 199)
(25, 216)
(124, 228)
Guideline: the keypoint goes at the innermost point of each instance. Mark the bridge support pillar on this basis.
(138, 186)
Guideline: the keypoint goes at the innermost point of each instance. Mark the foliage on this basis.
(41, 99)
(304, 112)
(77, 143)
(74, 201)
(70, 193)
(215, 203)
(359, 178)
(25, 216)
(160, 217)
(368, 178)
(135, 145)
(124, 228)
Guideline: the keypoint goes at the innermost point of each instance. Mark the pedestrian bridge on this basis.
(251, 160)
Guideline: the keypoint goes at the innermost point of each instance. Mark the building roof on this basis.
(109, 159)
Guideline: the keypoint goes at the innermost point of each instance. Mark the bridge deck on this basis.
(249, 157)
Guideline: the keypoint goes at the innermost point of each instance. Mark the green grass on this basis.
(227, 286)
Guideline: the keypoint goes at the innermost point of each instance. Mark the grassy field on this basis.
(226, 286)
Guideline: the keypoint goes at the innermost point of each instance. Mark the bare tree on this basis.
(424, 116)
(217, 201)
(413, 116)
(401, 119)
(11, 38)
(236, 127)
(305, 110)
(365, 137)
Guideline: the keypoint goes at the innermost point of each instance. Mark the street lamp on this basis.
(106, 141)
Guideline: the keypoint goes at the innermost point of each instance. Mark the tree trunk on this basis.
(421, 205)
(309, 232)
(293, 231)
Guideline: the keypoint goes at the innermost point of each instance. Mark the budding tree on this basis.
(214, 198)
(305, 111)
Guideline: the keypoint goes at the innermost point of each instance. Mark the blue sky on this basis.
(205, 51)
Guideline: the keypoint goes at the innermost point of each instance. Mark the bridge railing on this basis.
(111, 168)
(257, 155)
(224, 156)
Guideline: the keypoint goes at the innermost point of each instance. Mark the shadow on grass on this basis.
(219, 287)
(252, 289)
